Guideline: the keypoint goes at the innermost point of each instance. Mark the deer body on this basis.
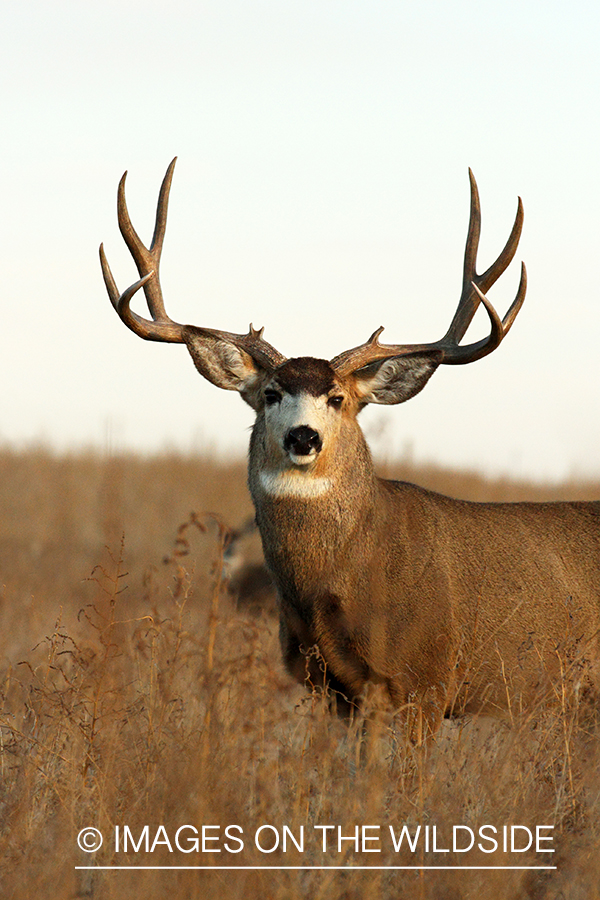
(456, 606)
(452, 606)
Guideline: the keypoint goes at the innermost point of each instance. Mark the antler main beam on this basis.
(448, 348)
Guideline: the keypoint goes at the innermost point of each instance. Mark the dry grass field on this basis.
(136, 698)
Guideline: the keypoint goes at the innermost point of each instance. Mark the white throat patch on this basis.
(294, 484)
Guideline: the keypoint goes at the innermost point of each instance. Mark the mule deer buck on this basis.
(451, 606)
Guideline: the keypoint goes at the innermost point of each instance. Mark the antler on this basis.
(448, 348)
(147, 260)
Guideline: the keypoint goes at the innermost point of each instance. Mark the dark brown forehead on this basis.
(304, 373)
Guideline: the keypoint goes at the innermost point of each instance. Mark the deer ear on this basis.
(394, 380)
(224, 364)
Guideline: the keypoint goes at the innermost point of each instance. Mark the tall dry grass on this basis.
(134, 694)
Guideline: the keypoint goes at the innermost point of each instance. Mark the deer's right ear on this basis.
(224, 364)
(394, 380)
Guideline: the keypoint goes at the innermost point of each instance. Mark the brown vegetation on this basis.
(132, 692)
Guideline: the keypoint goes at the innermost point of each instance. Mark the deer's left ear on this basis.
(394, 380)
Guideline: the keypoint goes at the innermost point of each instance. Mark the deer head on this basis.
(306, 403)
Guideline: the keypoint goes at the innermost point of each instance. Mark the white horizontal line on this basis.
(342, 868)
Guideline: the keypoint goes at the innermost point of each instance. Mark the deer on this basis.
(450, 607)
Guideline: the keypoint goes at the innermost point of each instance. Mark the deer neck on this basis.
(308, 518)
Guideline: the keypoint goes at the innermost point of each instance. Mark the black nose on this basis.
(302, 440)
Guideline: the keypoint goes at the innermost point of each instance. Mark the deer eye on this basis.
(272, 397)
(335, 402)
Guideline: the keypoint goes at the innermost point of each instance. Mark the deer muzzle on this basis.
(303, 441)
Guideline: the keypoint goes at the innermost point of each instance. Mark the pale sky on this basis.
(321, 191)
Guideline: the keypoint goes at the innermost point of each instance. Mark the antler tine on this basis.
(517, 303)
(447, 350)
(161, 210)
(473, 234)
(147, 259)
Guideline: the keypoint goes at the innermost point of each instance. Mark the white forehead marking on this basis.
(292, 484)
(299, 409)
